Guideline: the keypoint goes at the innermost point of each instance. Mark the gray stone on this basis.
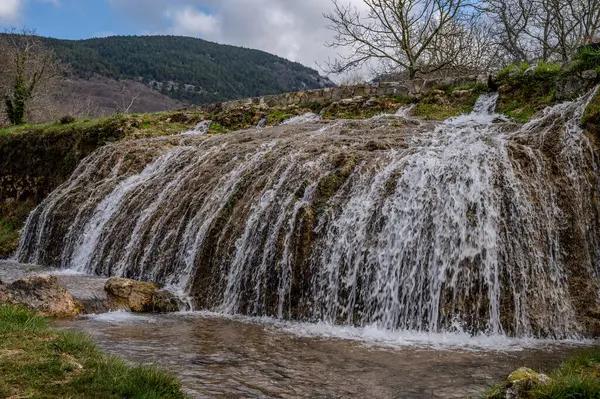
(43, 293)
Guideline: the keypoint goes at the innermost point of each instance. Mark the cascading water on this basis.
(475, 224)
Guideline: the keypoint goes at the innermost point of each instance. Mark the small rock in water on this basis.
(262, 123)
(139, 296)
(43, 293)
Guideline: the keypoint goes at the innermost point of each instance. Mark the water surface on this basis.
(237, 357)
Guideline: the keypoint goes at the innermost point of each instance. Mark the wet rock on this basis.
(43, 293)
(576, 84)
(139, 296)
(164, 301)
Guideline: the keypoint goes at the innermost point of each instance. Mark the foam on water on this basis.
(376, 336)
(120, 317)
(68, 272)
(200, 129)
(304, 118)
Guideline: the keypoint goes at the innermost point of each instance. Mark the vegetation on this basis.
(38, 362)
(578, 377)
(587, 58)
(526, 90)
(9, 238)
(591, 115)
(446, 102)
(185, 68)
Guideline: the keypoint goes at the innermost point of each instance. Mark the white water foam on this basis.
(120, 317)
(375, 336)
(200, 129)
(304, 118)
(69, 272)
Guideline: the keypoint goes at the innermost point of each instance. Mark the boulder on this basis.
(139, 296)
(43, 293)
(575, 85)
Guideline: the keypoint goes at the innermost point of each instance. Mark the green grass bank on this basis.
(577, 378)
(37, 362)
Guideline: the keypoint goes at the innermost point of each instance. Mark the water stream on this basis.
(388, 257)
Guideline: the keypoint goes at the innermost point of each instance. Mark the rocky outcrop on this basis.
(139, 296)
(43, 293)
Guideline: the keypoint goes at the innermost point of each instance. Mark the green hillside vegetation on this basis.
(217, 72)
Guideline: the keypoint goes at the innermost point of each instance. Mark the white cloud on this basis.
(9, 10)
(192, 22)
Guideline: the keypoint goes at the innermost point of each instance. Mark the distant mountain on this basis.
(187, 69)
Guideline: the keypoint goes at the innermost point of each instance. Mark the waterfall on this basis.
(476, 224)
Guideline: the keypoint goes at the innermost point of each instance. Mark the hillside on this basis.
(187, 69)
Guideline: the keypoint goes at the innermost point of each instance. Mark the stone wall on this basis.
(323, 96)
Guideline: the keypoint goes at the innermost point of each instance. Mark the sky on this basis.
(294, 29)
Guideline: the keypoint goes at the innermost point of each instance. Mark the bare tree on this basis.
(543, 30)
(127, 99)
(400, 34)
(30, 69)
(352, 78)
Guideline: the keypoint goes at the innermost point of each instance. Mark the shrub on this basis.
(65, 120)
(587, 58)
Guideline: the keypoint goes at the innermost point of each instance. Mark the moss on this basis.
(315, 107)
(277, 116)
(217, 128)
(39, 362)
(330, 184)
(591, 115)
(9, 238)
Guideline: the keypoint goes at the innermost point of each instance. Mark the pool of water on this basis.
(239, 357)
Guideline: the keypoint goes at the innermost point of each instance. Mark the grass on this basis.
(217, 128)
(9, 238)
(438, 107)
(38, 362)
(522, 95)
(145, 125)
(578, 377)
(277, 116)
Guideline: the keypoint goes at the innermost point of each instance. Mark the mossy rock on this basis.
(591, 116)
(519, 384)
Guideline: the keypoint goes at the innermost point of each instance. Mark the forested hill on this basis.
(187, 69)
